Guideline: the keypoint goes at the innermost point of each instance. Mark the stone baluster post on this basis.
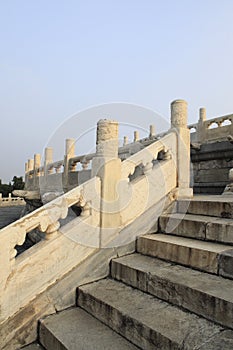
(48, 157)
(107, 166)
(152, 131)
(126, 141)
(84, 164)
(37, 163)
(48, 160)
(136, 136)
(202, 114)
(30, 164)
(26, 176)
(69, 153)
(179, 123)
(201, 125)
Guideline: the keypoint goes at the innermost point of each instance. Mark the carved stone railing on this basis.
(10, 201)
(15, 270)
(72, 171)
(117, 195)
(57, 176)
(215, 129)
(148, 176)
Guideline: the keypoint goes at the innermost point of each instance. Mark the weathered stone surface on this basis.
(21, 329)
(75, 329)
(226, 264)
(220, 230)
(211, 164)
(185, 251)
(207, 205)
(198, 226)
(207, 295)
(222, 341)
(148, 322)
(183, 225)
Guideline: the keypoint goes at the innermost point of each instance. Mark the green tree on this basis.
(18, 183)
(5, 189)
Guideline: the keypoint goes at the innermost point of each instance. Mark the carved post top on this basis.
(48, 155)
(136, 136)
(26, 167)
(37, 160)
(179, 114)
(202, 114)
(30, 164)
(70, 148)
(126, 141)
(107, 138)
(106, 130)
(152, 131)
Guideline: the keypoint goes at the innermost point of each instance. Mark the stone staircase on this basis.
(175, 292)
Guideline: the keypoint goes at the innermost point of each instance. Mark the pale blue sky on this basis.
(60, 57)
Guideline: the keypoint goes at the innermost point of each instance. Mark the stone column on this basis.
(70, 148)
(136, 136)
(48, 156)
(202, 114)
(43, 181)
(126, 141)
(107, 166)
(152, 131)
(179, 123)
(30, 164)
(26, 167)
(69, 153)
(26, 175)
(201, 125)
(30, 176)
(37, 163)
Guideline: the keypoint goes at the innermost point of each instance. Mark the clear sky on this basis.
(60, 57)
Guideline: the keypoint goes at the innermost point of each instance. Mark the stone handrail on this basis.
(62, 168)
(215, 129)
(11, 201)
(84, 160)
(146, 156)
(86, 196)
(117, 194)
(148, 176)
(46, 219)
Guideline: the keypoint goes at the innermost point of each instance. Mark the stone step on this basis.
(204, 294)
(74, 329)
(198, 226)
(219, 206)
(210, 257)
(148, 322)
